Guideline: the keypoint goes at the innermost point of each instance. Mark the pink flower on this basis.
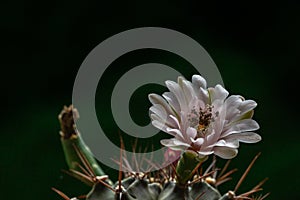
(205, 120)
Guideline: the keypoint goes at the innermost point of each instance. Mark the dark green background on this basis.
(255, 46)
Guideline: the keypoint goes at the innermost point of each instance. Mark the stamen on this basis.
(205, 118)
(200, 118)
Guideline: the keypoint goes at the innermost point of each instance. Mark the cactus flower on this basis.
(203, 119)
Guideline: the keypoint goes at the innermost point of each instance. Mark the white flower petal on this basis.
(175, 132)
(187, 89)
(233, 101)
(184, 121)
(205, 152)
(172, 100)
(226, 143)
(245, 110)
(218, 93)
(247, 137)
(241, 126)
(199, 81)
(225, 152)
(219, 121)
(232, 104)
(177, 91)
(159, 125)
(247, 105)
(204, 96)
(191, 132)
(159, 110)
(156, 99)
(232, 143)
(211, 137)
(155, 117)
(198, 141)
(220, 143)
(176, 121)
(174, 144)
(247, 125)
(232, 115)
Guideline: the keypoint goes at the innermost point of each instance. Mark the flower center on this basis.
(205, 117)
(201, 118)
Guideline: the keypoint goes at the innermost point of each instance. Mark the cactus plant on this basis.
(184, 179)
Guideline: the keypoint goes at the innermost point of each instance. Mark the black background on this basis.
(255, 46)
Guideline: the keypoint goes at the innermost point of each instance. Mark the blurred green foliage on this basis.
(255, 46)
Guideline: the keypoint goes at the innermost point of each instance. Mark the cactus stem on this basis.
(186, 166)
(70, 137)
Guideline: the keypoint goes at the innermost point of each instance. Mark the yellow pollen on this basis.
(201, 127)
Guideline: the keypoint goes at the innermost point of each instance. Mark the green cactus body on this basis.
(72, 143)
(186, 165)
(144, 190)
(99, 191)
(72, 158)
